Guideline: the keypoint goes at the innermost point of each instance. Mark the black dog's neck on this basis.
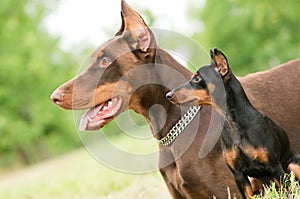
(239, 107)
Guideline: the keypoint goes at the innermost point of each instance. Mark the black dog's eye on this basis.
(198, 82)
(196, 79)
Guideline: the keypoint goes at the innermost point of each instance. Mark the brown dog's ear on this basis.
(137, 27)
(121, 30)
(221, 61)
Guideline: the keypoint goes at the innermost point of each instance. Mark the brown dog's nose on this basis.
(57, 97)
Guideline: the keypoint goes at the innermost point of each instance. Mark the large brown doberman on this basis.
(132, 57)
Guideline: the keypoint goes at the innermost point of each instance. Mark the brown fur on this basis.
(230, 156)
(248, 192)
(259, 154)
(237, 155)
(187, 176)
(276, 93)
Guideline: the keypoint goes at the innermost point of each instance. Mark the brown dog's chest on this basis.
(192, 177)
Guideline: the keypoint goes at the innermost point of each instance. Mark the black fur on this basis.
(253, 144)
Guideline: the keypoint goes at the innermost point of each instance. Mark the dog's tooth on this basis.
(105, 108)
(110, 103)
(114, 99)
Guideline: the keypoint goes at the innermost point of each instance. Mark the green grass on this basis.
(284, 192)
(287, 192)
(78, 175)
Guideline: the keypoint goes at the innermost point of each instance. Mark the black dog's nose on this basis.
(169, 95)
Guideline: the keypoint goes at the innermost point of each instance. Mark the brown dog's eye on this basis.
(104, 62)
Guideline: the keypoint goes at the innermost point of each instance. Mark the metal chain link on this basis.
(179, 126)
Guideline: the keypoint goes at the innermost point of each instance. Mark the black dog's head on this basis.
(205, 86)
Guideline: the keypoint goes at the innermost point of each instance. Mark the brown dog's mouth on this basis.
(96, 117)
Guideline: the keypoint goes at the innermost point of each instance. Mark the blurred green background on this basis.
(255, 35)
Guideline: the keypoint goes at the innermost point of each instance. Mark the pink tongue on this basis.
(90, 114)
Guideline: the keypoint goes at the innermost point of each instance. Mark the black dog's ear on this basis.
(220, 61)
(212, 54)
(134, 24)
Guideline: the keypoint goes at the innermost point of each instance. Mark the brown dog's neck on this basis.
(150, 100)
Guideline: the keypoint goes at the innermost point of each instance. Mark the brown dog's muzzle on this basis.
(63, 95)
(57, 97)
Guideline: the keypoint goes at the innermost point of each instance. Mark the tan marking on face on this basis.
(197, 97)
(78, 97)
(211, 87)
(100, 54)
(203, 97)
(104, 92)
(194, 75)
(258, 153)
(100, 94)
(96, 53)
(230, 156)
(183, 95)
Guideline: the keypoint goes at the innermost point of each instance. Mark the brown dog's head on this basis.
(104, 86)
(205, 85)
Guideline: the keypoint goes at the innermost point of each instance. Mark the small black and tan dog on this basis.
(253, 144)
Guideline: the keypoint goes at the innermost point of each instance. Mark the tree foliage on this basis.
(31, 65)
(254, 34)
